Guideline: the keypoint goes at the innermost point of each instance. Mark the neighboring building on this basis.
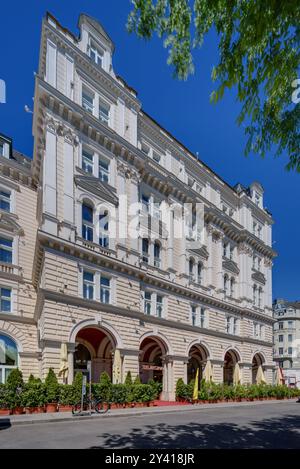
(167, 303)
(18, 230)
(287, 339)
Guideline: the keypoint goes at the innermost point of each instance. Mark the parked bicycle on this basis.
(90, 404)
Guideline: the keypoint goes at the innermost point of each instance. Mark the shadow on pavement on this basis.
(268, 434)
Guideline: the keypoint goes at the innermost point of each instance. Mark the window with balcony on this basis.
(88, 100)
(87, 222)
(104, 111)
(105, 289)
(88, 285)
(5, 299)
(103, 169)
(104, 229)
(6, 250)
(87, 161)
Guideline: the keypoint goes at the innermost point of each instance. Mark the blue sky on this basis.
(181, 107)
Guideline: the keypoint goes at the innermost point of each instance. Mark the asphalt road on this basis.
(255, 426)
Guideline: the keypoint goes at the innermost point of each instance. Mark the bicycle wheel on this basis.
(76, 408)
(101, 407)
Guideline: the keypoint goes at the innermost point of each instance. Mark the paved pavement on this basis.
(249, 425)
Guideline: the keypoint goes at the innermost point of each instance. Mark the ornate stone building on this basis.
(168, 303)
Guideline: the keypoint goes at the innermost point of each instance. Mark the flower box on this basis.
(18, 411)
(51, 407)
(5, 411)
(64, 408)
(35, 410)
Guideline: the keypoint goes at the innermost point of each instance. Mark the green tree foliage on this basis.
(15, 380)
(259, 55)
(105, 379)
(137, 380)
(128, 379)
(52, 387)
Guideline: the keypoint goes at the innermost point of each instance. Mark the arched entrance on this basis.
(152, 352)
(96, 345)
(197, 360)
(230, 359)
(258, 360)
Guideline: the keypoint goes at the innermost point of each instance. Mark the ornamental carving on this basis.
(230, 265)
(259, 277)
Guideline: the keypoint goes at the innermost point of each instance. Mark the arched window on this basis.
(8, 357)
(199, 272)
(145, 249)
(87, 222)
(103, 229)
(157, 255)
(191, 269)
(232, 285)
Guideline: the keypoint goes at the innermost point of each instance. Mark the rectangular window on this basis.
(1, 148)
(145, 248)
(290, 337)
(87, 223)
(88, 100)
(280, 338)
(202, 317)
(290, 324)
(88, 285)
(145, 203)
(103, 170)
(96, 55)
(5, 300)
(87, 161)
(105, 290)
(156, 157)
(147, 302)
(280, 325)
(235, 326)
(228, 324)
(280, 351)
(290, 350)
(104, 113)
(194, 315)
(159, 306)
(5, 200)
(104, 229)
(6, 250)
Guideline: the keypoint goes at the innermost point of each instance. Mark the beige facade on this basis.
(169, 303)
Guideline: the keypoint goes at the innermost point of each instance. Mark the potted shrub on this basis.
(66, 398)
(33, 397)
(15, 385)
(52, 389)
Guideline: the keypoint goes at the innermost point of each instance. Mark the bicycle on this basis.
(90, 404)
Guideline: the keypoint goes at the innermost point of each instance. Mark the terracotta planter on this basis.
(5, 412)
(64, 408)
(18, 411)
(52, 407)
(35, 410)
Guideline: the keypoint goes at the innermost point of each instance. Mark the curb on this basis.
(162, 410)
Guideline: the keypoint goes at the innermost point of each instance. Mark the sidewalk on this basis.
(67, 416)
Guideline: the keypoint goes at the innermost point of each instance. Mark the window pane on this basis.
(8, 352)
(88, 276)
(105, 281)
(87, 213)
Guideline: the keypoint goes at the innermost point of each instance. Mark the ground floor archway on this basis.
(151, 359)
(97, 346)
(230, 360)
(258, 360)
(197, 360)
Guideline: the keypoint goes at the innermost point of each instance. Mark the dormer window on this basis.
(104, 113)
(96, 54)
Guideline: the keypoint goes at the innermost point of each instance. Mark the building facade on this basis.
(135, 245)
(287, 339)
